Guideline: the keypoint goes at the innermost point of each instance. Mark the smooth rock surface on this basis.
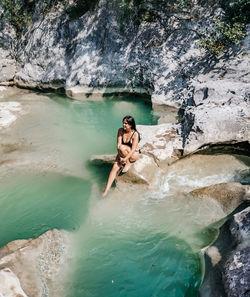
(40, 264)
(162, 142)
(142, 172)
(8, 113)
(10, 285)
(229, 195)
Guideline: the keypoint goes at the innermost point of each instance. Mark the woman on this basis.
(128, 150)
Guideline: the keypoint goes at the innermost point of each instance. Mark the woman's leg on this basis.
(111, 177)
(132, 159)
(123, 152)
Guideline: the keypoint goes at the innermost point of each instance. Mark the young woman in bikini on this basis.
(128, 150)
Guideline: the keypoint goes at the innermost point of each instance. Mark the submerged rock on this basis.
(228, 261)
(102, 159)
(40, 264)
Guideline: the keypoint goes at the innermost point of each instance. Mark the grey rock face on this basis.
(8, 65)
(227, 260)
(161, 59)
(93, 51)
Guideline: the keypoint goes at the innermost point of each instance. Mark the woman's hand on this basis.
(122, 161)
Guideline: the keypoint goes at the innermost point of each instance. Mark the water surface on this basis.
(135, 243)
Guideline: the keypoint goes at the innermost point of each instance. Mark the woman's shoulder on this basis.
(120, 131)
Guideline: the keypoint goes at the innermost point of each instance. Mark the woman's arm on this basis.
(135, 141)
(119, 138)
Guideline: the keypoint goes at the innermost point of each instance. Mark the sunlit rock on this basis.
(143, 171)
(84, 92)
(10, 284)
(229, 195)
(40, 264)
(162, 142)
(8, 113)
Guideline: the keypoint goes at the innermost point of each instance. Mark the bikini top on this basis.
(129, 143)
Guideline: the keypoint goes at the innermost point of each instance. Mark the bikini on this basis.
(129, 143)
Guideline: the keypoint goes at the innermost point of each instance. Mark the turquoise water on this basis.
(126, 246)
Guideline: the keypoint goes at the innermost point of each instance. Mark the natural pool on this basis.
(134, 244)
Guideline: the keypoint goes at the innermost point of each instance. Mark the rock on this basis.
(93, 51)
(8, 113)
(144, 171)
(81, 92)
(40, 264)
(227, 260)
(102, 159)
(211, 124)
(10, 285)
(7, 92)
(229, 195)
(162, 142)
(8, 64)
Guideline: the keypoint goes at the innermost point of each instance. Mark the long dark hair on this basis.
(131, 122)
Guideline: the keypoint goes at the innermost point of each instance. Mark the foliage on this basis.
(229, 28)
(147, 10)
(81, 7)
(183, 3)
(49, 4)
(16, 14)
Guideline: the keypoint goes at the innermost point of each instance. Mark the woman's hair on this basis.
(131, 122)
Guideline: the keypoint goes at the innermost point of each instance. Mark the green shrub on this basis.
(18, 16)
(229, 28)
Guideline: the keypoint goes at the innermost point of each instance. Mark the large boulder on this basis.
(228, 195)
(143, 172)
(39, 264)
(227, 259)
(10, 285)
(162, 142)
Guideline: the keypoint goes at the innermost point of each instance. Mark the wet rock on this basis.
(229, 195)
(102, 159)
(227, 260)
(10, 285)
(39, 264)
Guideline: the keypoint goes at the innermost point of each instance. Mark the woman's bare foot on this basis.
(104, 193)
